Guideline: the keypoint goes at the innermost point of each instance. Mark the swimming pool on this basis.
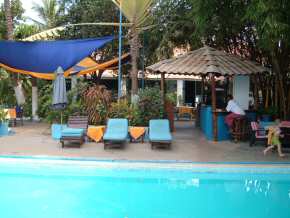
(46, 188)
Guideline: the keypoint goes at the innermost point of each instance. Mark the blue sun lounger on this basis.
(116, 132)
(159, 133)
(75, 130)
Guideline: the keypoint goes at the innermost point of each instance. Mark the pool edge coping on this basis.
(150, 161)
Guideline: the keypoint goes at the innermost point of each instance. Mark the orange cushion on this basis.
(96, 133)
(137, 132)
(12, 113)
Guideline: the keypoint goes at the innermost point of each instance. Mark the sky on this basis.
(27, 5)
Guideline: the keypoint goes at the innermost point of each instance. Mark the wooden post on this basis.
(256, 92)
(202, 89)
(162, 87)
(214, 113)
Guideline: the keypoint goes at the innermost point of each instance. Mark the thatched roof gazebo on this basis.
(203, 62)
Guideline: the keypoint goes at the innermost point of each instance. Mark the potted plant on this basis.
(268, 114)
(4, 122)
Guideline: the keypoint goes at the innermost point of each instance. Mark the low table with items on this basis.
(137, 134)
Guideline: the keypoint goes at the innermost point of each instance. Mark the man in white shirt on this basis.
(235, 109)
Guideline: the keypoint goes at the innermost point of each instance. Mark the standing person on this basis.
(235, 109)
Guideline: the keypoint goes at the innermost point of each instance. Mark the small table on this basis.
(137, 133)
(285, 131)
(11, 115)
(96, 133)
(181, 110)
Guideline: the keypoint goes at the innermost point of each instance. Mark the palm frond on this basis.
(54, 32)
(136, 11)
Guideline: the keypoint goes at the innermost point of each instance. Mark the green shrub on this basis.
(272, 111)
(96, 102)
(45, 101)
(123, 109)
(27, 108)
(7, 95)
(3, 115)
(120, 109)
(150, 105)
(171, 98)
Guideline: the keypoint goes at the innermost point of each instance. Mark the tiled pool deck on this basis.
(33, 139)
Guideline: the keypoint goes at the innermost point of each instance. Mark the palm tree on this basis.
(48, 11)
(138, 14)
(9, 20)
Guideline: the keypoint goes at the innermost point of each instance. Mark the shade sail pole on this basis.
(120, 55)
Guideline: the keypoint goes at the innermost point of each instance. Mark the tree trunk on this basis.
(255, 93)
(9, 25)
(134, 50)
(278, 74)
(9, 20)
(276, 92)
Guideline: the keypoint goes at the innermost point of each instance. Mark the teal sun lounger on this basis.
(159, 133)
(75, 130)
(116, 132)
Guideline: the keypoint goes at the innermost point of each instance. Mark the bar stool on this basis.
(240, 129)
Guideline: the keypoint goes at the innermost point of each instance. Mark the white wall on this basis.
(180, 92)
(241, 90)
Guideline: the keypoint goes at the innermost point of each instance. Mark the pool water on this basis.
(75, 189)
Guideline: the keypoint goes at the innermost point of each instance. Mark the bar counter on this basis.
(206, 122)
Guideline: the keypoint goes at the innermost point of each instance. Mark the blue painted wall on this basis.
(207, 125)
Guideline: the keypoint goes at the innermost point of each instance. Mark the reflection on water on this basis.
(257, 186)
(142, 193)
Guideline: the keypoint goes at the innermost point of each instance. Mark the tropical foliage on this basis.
(96, 100)
(138, 12)
(49, 13)
(150, 104)
(7, 97)
(258, 30)
(3, 115)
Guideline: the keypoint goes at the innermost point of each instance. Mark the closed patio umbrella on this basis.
(59, 98)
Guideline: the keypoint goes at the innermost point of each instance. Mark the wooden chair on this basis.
(258, 134)
(19, 114)
(240, 129)
(75, 131)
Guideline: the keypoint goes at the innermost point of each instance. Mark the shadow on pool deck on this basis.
(189, 145)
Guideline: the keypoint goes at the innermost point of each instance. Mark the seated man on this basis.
(235, 109)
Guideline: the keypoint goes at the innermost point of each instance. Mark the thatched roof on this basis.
(207, 60)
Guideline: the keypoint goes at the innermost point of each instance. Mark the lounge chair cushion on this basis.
(159, 131)
(117, 130)
(72, 132)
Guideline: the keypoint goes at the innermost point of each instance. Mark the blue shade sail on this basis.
(44, 57)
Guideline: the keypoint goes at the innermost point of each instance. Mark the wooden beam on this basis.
(214, 113)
